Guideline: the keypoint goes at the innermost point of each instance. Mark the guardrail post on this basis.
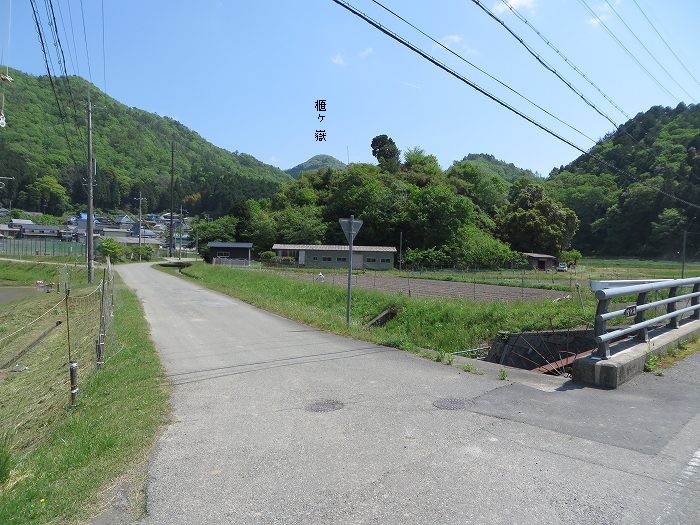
(694, 301)
(671, 307)
(601, 327)
(643, 333)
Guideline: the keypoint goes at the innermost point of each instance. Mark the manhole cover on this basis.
(450, 403)
(325, 405)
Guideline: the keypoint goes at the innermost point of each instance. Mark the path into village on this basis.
(279, 423)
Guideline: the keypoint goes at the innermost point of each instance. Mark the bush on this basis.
(267, 256)
(145, 251)
(110, 248)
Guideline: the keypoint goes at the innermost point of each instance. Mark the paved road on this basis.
(248, 444)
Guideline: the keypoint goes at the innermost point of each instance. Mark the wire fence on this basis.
(41, 247)
(44, 360)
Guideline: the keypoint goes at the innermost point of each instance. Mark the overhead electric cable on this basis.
(485, 72)
(37, 21)
(494, 98)
(87, 50)
(564, 57)
(65, 32)
(6, 46)
(647, 50)
(544, 63)
(624, 47)
(62, 62)
(104, 64)
(665, 42)
(72, 32)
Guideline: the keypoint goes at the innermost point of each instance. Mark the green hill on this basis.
(490, 165)
(632, 214)
(314, 163)
(132, 148)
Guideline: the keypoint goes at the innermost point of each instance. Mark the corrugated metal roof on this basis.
(539, 255)
(333, 248)
(229, 245)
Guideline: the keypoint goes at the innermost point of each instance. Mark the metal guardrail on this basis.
(641, 325)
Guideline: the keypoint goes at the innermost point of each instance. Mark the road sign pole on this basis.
(350, 228)
(350, 239)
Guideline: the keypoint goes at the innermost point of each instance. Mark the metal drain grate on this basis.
(450, 403)
(324, 405)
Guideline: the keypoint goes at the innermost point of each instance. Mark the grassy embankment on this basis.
(444, 325)
(63, 458)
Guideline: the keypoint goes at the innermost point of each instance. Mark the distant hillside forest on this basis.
(635, 214)
(132, 148)
(479, 211)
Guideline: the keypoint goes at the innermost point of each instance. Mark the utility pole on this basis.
(89, 230)
(400, 250)
(172, 189)
(140, 199)
(179, 256)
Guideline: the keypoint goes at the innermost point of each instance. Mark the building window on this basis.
(371, 259)
(223, 255)
(315, 258)
(341, 259)
(326, 259)
(385, 260)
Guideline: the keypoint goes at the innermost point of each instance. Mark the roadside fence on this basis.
(44, 360)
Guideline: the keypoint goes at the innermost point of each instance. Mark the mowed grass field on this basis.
(59, 459)
(441, 324)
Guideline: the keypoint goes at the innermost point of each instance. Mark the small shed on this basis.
(229, 250)
(18, 223)
(540, 261)
(40, 230)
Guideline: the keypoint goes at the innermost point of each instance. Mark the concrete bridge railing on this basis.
(690, 291)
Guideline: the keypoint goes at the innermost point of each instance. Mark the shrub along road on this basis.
(276, 422)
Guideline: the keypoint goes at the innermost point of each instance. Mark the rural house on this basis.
(540, 261)
(229, 251)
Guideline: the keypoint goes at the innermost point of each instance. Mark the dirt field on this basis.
(430, 288)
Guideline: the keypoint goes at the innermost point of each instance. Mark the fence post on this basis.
(643, 333)
(601, 327)
(694, 301)
(73, 368)
(671, 307)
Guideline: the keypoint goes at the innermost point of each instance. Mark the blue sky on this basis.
(245, 75)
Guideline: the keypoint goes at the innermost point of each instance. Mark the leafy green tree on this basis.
(222, 229)
(47, 194)
(416, 160)
(570, 256)
(111, 248)
(435, 215)
(474, 248)
(302, 225)
(488, 191)
(533, 222)
(385, 151)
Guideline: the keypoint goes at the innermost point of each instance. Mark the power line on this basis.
(564, 57)
(484, 72)
(37, 21)
(629, 53)
(65, 32)
(494, 98)
(647, 49)
(62, 62)
(666, 43)
(104, 63)
(544, 63)
(72, 32)
(87, 50)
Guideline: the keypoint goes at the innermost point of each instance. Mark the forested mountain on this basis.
(315, 163)
(132, 148)
(632, 212)
(508, 171)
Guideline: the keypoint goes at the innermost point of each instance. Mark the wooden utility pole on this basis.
(89, 229)
(172, 189)
(140, 199)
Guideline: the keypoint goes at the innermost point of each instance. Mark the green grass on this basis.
(470, 368)
(64, 457)
(443, 325)
(16, 273)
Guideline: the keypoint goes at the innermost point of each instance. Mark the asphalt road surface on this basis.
(279, 423)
